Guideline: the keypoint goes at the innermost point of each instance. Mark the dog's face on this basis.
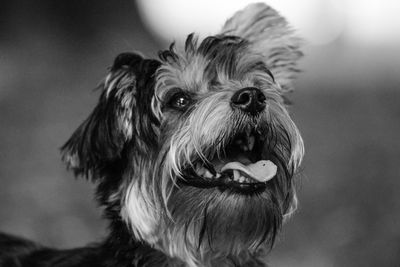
(196, 151)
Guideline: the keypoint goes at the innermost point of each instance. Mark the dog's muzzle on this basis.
(243, 167)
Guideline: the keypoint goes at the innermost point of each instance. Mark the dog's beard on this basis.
(191, 222)
(208, 221)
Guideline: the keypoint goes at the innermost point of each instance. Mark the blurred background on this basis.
(347, 106)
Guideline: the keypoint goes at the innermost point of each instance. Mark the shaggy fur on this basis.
(159, 118)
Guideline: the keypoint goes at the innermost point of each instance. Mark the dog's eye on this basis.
(179, 101)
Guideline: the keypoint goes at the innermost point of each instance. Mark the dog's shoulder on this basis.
(19, 252)
(13, 248)
(11, 245)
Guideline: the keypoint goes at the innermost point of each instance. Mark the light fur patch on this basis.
(72, 159)
(139, 214)
(123, 83)
(292, 208)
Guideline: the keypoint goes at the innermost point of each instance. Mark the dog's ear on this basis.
(269, 35)
(98, 143)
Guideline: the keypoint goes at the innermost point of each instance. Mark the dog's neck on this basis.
(127, 252)
(122, 250)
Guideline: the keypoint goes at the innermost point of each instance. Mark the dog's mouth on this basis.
(244, 166)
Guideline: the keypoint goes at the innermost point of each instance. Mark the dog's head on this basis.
(196, 151)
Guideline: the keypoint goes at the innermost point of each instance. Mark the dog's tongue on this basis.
(262, 171)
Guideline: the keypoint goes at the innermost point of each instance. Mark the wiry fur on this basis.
(136, 147)
(270, 36)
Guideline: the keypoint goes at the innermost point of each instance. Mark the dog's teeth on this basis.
(241, 179)
(236, 175)
(200, 170)
(208, 174)
(251, 142)
(210, 168)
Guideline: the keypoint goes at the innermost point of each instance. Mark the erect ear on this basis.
(98, 143)
(269, 35)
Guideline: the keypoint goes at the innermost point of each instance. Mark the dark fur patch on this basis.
(98, 144)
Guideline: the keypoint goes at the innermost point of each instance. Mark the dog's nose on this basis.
(249, 99)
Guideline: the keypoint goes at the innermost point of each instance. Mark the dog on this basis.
(194, 154)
